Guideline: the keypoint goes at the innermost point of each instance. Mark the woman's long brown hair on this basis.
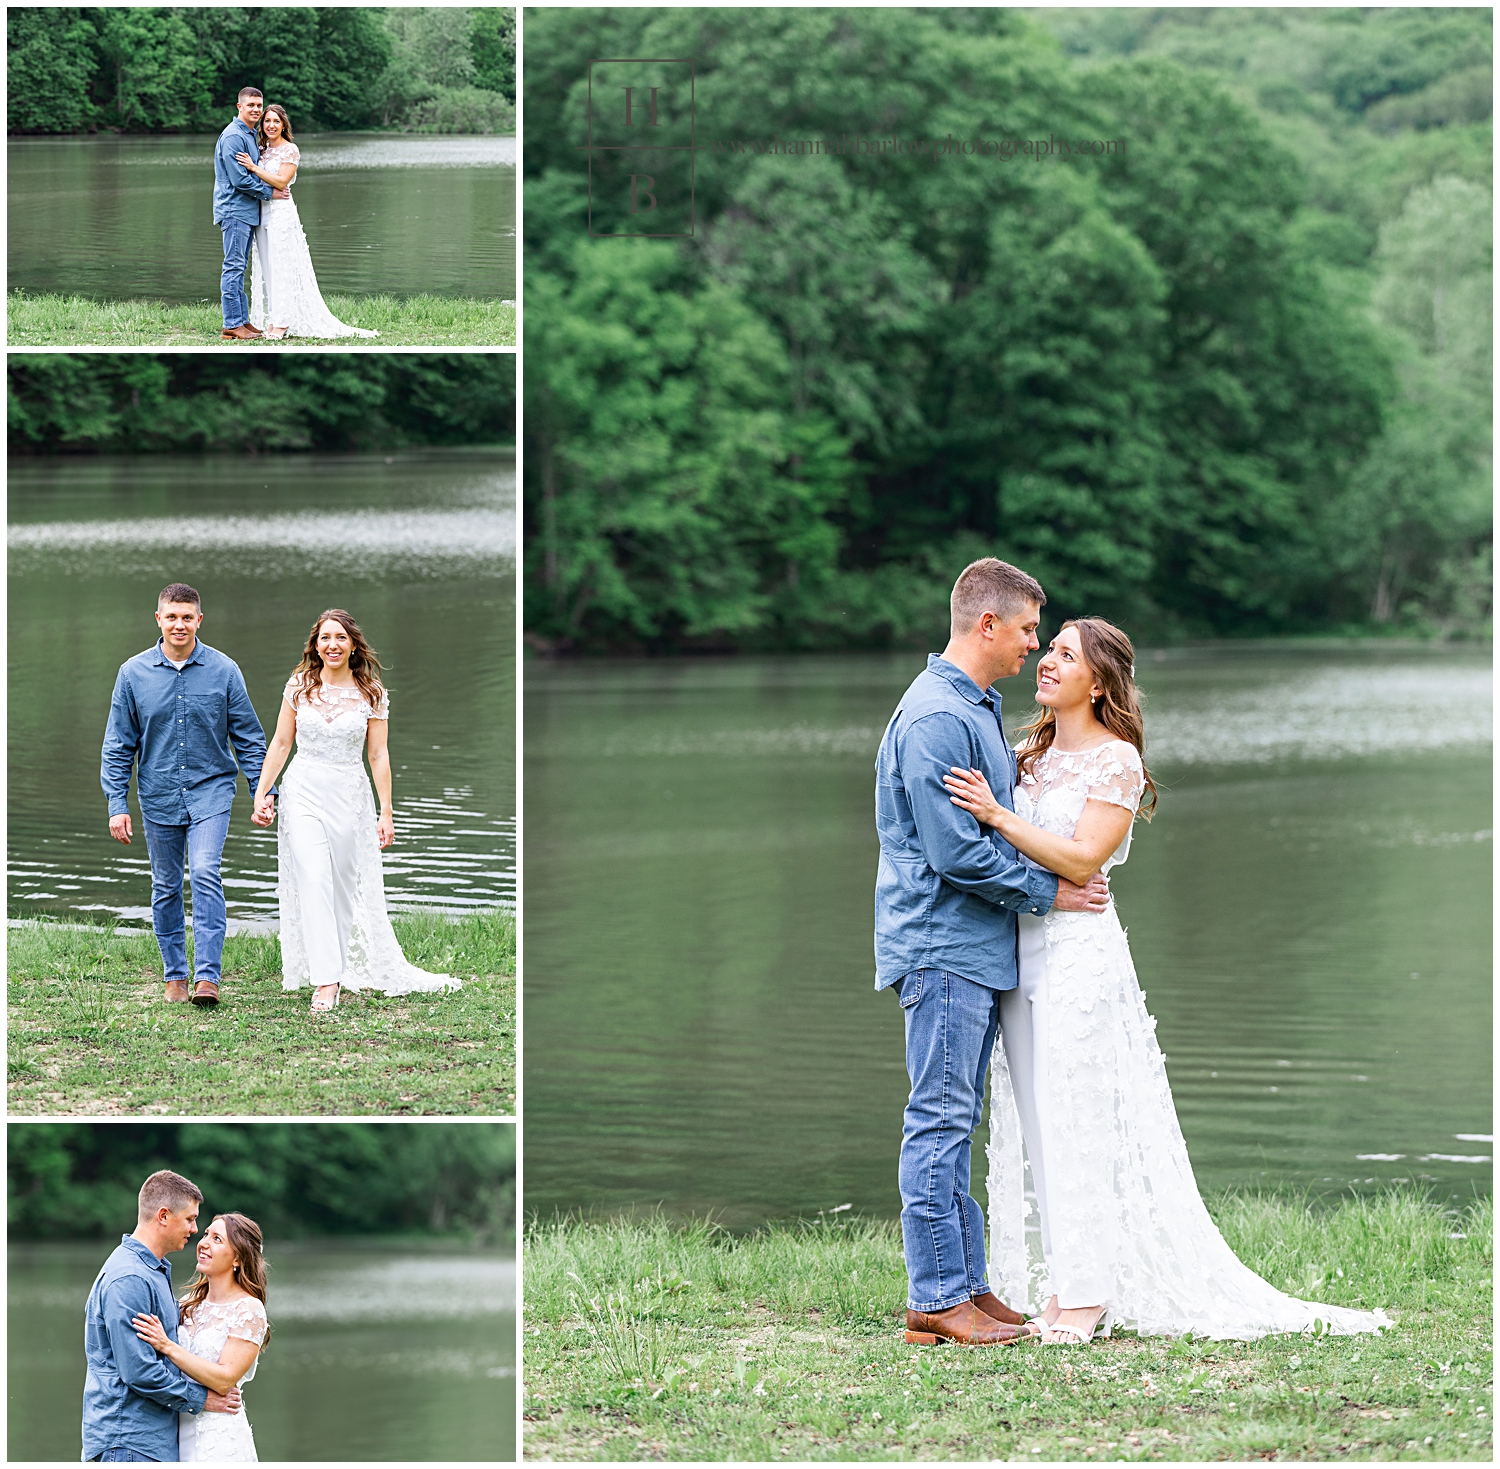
(1111, 659)
(286, 125)
(363, 663)
(249, 1266)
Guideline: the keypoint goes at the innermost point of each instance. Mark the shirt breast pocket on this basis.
(208, 712)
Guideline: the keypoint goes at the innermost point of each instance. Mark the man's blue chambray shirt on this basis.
(131, 1394)
(179, 724)
(237, 191)
(948, 889)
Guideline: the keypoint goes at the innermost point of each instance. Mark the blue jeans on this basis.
(202, 842)
(236, 260)
(121, 1456)
(951, 1024)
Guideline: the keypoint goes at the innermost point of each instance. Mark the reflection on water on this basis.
(124, 217)
(420, 547)
(1308, 914)
(375, 1353)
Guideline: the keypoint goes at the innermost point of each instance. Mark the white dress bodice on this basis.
(220, 1437)
(275, 158)
(1053, 794)
(332, 725)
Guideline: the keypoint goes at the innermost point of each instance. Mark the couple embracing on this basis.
(994, 923)
(164, 1373)
(181, 718)
(255, 165)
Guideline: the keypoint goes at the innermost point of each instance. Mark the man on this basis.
(176, 711)
(237, 199)
(131, 1394)
(946, 900)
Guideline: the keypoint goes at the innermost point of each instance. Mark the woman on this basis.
(1080, 1079)
(220, 1337)
(284, 295)
(335, 932)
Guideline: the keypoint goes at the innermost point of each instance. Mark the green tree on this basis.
(675, 500)
(50, 57)
(354, 50)
(282, 53)
(180, 401)
(492, 42)
(153, 75)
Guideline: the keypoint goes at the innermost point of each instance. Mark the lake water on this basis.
(120, 218)
(419, 546)
(1309, 915)
(375, 1353)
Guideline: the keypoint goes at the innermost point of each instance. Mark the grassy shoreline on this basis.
(415, 321)
(649, 1341)
(90, 1035)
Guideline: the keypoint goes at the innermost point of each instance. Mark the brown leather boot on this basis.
(992, 1305)
(206, 993)
(964, 1323)
(240, 333)
(176, 990)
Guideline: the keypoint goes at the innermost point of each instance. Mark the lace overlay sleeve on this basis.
(1118, 776)
(292, 152)
(246, 1319)
(289, 693)
(384, 709)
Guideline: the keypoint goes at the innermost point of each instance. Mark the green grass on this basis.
(90, 1035)
(417, 321)
(649, 1341)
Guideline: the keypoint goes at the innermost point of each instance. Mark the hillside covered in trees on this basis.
(1232, 377)
(161, 69)
(88, 403)
(79, 1180)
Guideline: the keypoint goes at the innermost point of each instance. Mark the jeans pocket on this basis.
(911, 988)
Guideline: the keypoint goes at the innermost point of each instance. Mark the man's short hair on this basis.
(249, 92)
(180, 591)
(167, 1190)
(991, 585)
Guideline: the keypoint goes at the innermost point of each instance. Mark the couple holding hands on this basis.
(182, 721)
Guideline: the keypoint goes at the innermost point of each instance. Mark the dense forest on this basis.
(163, 69)
(80, 1179)
(167, 401)
(1230, 377)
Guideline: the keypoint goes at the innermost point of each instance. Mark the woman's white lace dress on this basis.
(283, 289)
(1080, 1093)
(334, 923)
(221, 1438)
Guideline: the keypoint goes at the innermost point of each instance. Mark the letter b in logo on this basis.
(641, 185)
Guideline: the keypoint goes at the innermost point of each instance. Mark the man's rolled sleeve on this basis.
(953, 842)
(141, 1367)
(122, 742)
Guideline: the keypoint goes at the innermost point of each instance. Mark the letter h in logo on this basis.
(641, 148)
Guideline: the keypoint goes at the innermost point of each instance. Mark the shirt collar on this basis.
(161, 653)
(132, 1243)
(961, 680)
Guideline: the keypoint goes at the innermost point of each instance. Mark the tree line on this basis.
(79, 1180)
(1198, 385)
(161, 69)
(169, 402)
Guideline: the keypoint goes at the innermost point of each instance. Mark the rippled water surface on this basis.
(125, 217)
(374, 1354)
(420, 547)
(1309, 915)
